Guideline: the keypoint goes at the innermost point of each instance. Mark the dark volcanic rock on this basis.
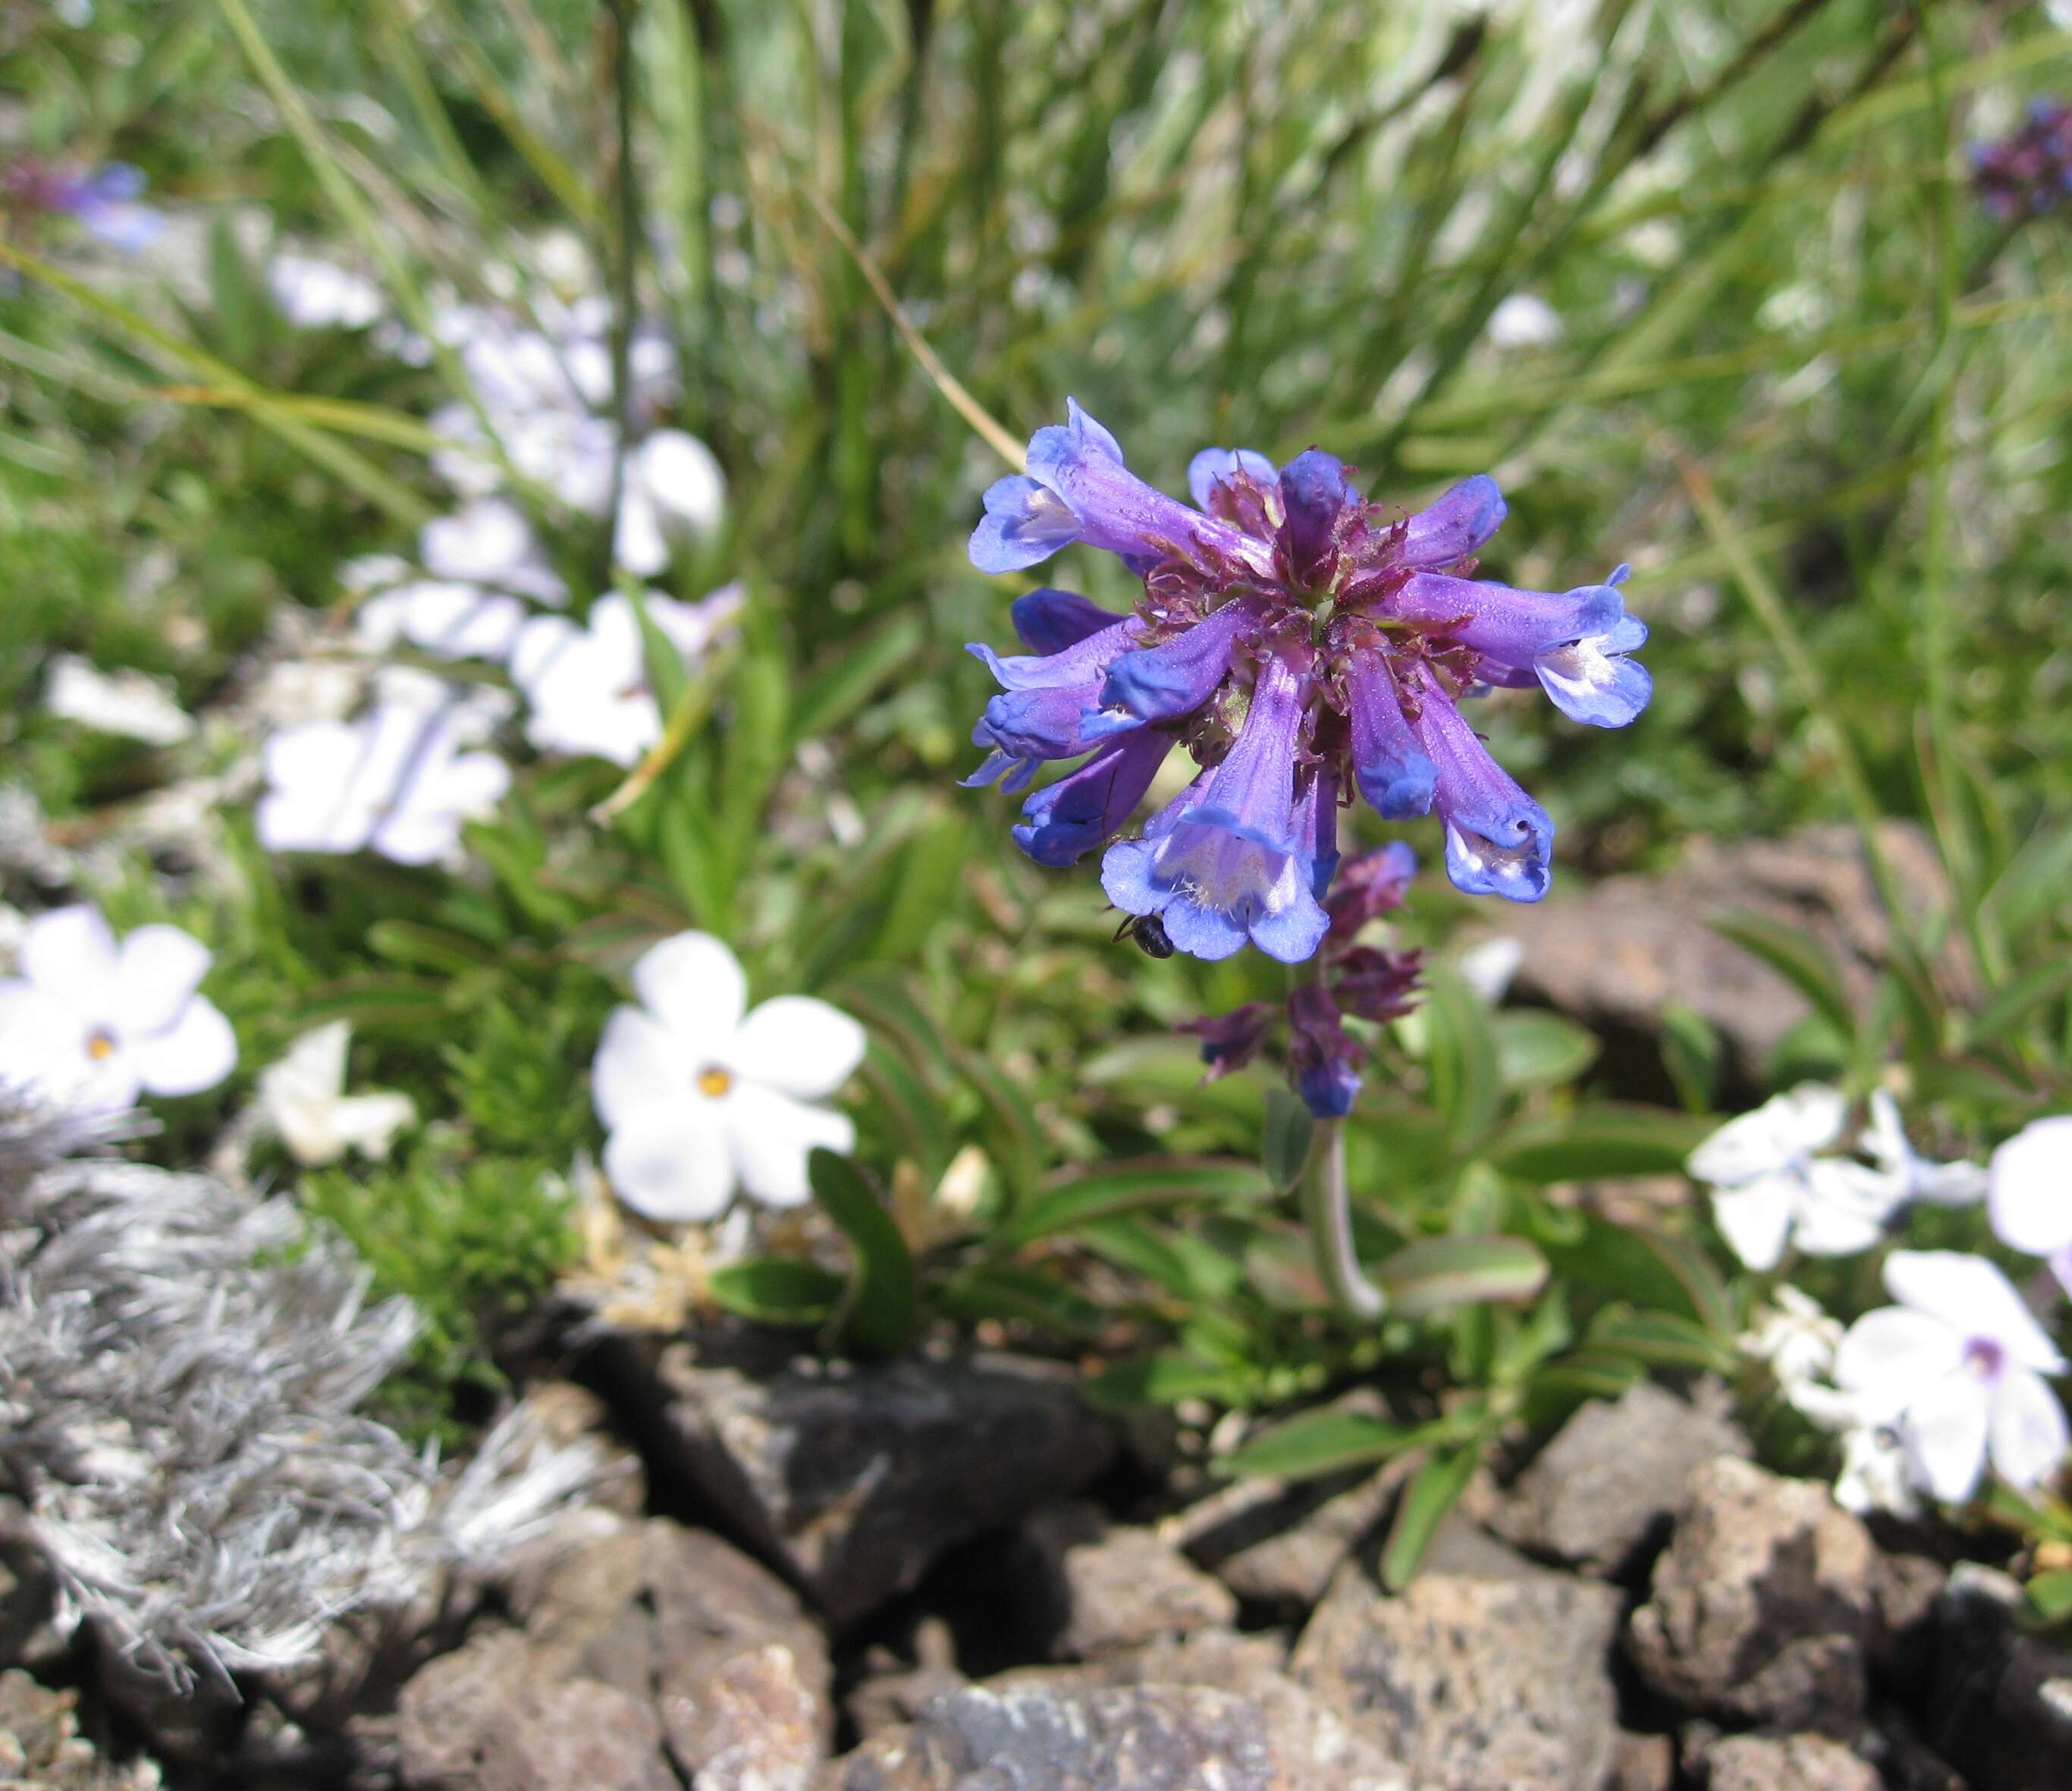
(1617, 954)
(1763, 1609)
(856, 1479)
(1103, 1588)
(1609, 1482)
(1998, 1707)
(1786, 1763)
(1485, 1671)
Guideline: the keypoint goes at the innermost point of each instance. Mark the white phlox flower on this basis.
(1796, 1338)
(303, 1100)
(1884, 1142)
(1876, 1474)
(700, 1094)
(487, 571)
(1957, 1370)
(1770, 1188)
(90, 1025)
(2029, 1200)
(397, 782)
(314, 294)
(674, 491)
(587, 687)
(1524, 321)
(125, 703)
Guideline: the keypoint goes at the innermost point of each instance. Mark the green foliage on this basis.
(474, 1244)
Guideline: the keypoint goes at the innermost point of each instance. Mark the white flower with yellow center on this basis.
(701, 1095)
(89, 1025)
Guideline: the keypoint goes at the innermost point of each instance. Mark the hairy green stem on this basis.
(1328, 1215)
(1327, 1210)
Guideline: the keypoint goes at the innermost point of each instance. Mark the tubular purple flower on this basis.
(1063, 822)
(1456, 526)
(1316, 819)
(1323, 1062)
(1153, 684)
(1394, 772)
(1370, 885)
(1319, 503)
(1049, 621)
(1230, 1040)
(1375, 985)
(1222, 863)
(1344, 633)
(1498, 840)
(1591, 679)
(1077, 488)
(1211, 477)
(1508, 625)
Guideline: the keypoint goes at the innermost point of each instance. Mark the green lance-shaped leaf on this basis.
(1436, 1272)
(1132, 1187)
(1438, 1485)
(884, 1298)
(1289, 1127)
(778, 1289)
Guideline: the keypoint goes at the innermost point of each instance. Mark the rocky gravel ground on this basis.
(951, 1575)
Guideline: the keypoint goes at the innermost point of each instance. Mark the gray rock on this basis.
(1999, 1705)
(481, 1719)
(1617, 953)
(1032, 1737)
(1314, 1747)
(725, 1666)
(1287, 1570)
(856, 1479)
(891, 1700)
(1642, 1763)
(1606, 1487)
(1763, 1608)
(1106, 1588)
(41, 1748)
(1486, 1670)
(1787, 1763)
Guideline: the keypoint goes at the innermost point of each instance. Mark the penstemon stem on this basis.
(1329, 1217)
(1327, 1211)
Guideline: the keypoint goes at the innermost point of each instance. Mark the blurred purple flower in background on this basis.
(106, 202)
(1301, 643)
(2030, 170)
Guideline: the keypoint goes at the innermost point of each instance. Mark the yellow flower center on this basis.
(713, 1081)
(100, 1047)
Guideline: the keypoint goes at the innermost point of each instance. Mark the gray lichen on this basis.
(182, 1364)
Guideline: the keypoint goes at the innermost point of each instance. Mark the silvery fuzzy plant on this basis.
(181, 1365)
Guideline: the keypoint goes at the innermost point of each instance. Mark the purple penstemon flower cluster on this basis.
(1302, 644)
(2030, 170)
(106, 202)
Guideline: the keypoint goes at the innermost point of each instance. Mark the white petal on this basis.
(1972, 1297)
(680, 473)
(674, 1167)
(158, 969)
(771, 1135)
(1755, 1219)
(640, 1067)
(70, 955)
(800, 1045)
(1944, 1430)
(1844, 1208)
(1781, 1129)
(640, 546)
(196, 1051)
(541, 641)
(2030, 1200)
(43, 1053)
(1887, 1354)
(693, 985)
(368, 1122)
(2028, 1435)
(1875, 1475)
(478, 540)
